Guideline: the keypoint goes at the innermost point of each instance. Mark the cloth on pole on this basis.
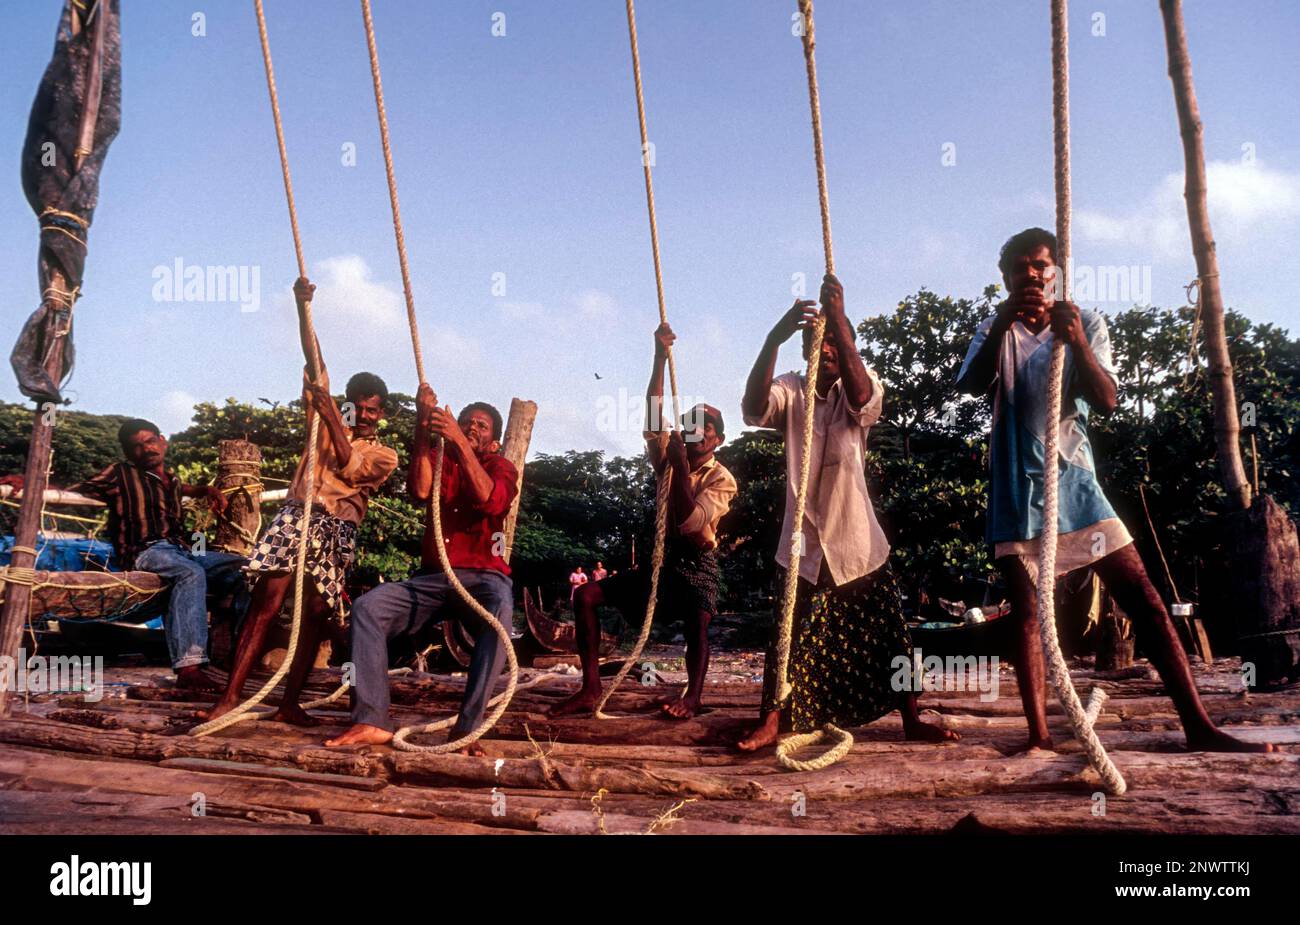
(75, 117)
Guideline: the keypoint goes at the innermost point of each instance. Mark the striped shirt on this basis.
(142, 510)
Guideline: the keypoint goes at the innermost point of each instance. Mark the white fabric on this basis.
(840, 525)
(1075, 550)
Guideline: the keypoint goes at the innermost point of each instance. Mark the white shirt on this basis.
(840, 523)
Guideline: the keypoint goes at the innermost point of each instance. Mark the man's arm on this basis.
(303, 290)
(1095, 383)
(654, 392)
(759, 385)
(681, 500)
(853, 372)
(323, 403)
(983, 367)
(215, 497)
(479, 484)
(419, 475)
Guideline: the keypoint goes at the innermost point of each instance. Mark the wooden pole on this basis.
(514, 447)
(35, 477)
(1226, 424)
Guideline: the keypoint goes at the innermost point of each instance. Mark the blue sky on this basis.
(519, 155)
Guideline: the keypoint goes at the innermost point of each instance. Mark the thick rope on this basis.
(663, 489)
(309, 487)
(1057, 671)
(843, 740)
(435, 493)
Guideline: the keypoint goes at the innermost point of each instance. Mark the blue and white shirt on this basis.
(1016, 444)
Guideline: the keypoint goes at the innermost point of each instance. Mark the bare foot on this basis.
(361, 734)
(193, 678)
(1216, 740)
(472, 750)
(764, 735)
(1039, 742)
(294, 715)
(220, 708)
(584, 701)
(917, 731)
(683, 707)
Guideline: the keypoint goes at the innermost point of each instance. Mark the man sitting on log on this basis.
(478, 486)
(701, 490)
(145, 524)
(1010, 358)
(350, 464)
(849, 626)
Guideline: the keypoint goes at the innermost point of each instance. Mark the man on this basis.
(145, 524)
(1010, 358)
(577, 578)
(701, 491)
(848, 622)
(478, 486)
(599, 573)
(350, 464)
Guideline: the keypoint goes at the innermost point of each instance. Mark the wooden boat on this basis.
(988, 638)
(556, 635)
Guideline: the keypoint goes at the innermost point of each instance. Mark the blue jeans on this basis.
(187, 612)
(399, 607)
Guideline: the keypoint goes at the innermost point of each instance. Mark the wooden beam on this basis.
(514, 447)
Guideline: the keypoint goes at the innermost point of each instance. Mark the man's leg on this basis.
(1126, 578)
(769, 724)
(268, 598)
(315, 614)
(187, 612)
(379, 615)
(495, 592)
(587, 631)
(697, 666)
(1031, 673)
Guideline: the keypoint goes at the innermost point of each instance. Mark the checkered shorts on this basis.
(331, 550)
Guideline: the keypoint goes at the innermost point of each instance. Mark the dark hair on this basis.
(808, 335)
(1018, 245)
(363, 385)
(487, 409)
(703, 414)
(132, 427)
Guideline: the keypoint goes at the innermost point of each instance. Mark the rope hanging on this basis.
(842, 739)
(1057, 671)
(663, 488)
(435, 507)
(313, 363)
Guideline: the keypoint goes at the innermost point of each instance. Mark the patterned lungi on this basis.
(842, 652)
(331, 550)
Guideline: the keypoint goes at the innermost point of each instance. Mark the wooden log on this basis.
(514, 447)
(213, 766)
(239, 476)
(1266, 597)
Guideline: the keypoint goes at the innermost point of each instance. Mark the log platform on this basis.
(123, 765)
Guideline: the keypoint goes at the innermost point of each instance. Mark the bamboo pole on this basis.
(1227, 427)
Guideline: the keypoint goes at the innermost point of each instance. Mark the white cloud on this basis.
(1243, 200)
(175, 411)
(594, 303)
(522, 311)
(346, 292)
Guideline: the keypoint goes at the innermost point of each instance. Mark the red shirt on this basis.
(474, 533)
